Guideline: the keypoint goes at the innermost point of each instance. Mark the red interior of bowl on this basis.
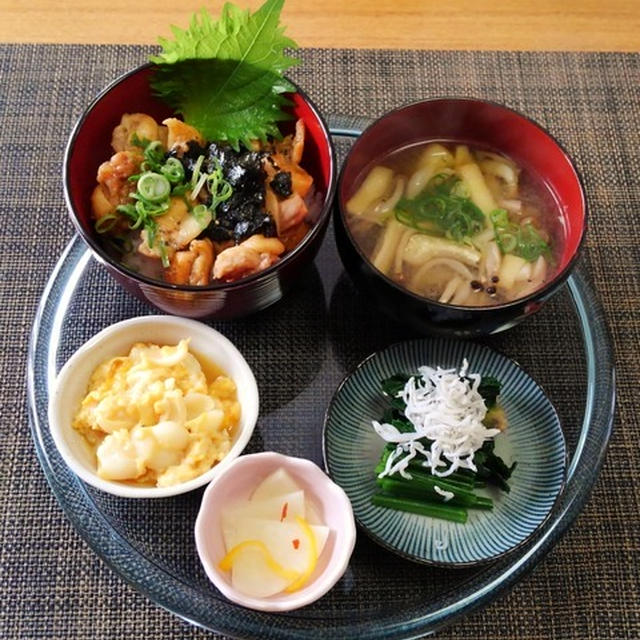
(485, 125)
(131, 94)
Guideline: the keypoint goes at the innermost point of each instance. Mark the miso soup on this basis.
(458, 225)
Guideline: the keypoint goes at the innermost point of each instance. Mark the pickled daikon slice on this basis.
(271, 546)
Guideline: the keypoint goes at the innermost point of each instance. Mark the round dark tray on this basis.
(300, 349)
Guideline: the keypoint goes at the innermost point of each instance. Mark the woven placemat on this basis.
(53, 586)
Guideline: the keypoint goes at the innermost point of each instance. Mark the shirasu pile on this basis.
(444, 406)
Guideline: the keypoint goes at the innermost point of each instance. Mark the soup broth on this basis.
(459, 225)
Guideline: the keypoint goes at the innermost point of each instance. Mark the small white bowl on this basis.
(237, 483)
(116, 340)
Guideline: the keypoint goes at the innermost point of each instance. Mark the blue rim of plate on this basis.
(533, 438)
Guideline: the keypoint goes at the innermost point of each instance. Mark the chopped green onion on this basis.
(142, 214)
(151, 228)
(105, 223)
(179, 189)
(218, 187)
(159, 179)
(153, 156)
(440, 209)
(196, 190)
(153, 187)
(196, 171)
(531, 246)
(129, 210)
(509, 242)
(137, 141)
(500, 218)
(163, 254)
(150, 209)
(173, 170)
(521, 240)
(154, 149)
(200, 213)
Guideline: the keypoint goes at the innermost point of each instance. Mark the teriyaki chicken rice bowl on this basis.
(177, 208)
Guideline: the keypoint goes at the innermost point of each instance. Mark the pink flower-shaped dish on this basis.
(236, 483)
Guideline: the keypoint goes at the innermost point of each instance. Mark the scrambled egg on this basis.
(153, 418)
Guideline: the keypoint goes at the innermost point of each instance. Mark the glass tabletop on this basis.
(300, 349)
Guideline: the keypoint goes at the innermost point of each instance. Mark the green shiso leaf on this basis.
(225, 76)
